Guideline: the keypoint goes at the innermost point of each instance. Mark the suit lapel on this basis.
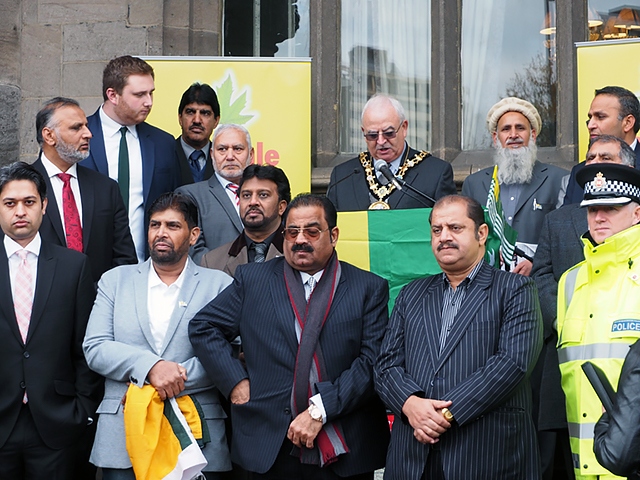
(432, 310)
(187, 291)
(45, 273)
(87, 196)
(529, 189)
(208, 166)
(148, 158)
(141, 292)
(53, 213)
(282, 305)
(98, 152)
(474, 299)
(5, 290)
(233, 262)
(218, 191)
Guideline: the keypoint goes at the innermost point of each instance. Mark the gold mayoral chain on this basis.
(383, 191)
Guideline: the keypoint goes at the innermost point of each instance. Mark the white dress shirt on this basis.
(232, 196)
(11, 247)
(112, 136)
(57, 184)
(162, 300)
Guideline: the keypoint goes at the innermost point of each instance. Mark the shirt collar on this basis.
(11, 246)
(111, 128)
(469, 278)
(305, 276)
(188, 149)
(53, 170)
(154, 279)
(223, 181)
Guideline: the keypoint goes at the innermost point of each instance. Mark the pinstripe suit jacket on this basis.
(256, 306)
(483, 369)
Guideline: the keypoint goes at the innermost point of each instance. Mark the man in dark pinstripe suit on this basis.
(303, 405)
(456, 358)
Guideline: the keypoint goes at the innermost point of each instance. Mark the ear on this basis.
(494, 137)
(193, 235)
(49, 136)
(628, 123)
(45, 202)
(216, 122)
(534, 134)
(334, 236)
(483, 233)
(282, 206)
(250, 159)
(112, 96)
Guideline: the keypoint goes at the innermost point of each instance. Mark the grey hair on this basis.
(232, 126)
(381, 97)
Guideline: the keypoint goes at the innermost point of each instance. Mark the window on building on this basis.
(385, 48)
(613, 19)
(506, 55)
(273, 28)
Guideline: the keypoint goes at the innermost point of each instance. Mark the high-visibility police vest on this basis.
(598, 319)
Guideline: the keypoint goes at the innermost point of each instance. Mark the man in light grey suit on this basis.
(528, 188)
(137, 334)
(217, 198)
(455, 361)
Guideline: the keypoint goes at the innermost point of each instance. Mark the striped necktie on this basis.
(234, 188)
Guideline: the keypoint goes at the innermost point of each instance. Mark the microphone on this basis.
(382, 167)
(355, 171)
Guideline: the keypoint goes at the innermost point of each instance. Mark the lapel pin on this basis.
(536, 205)
(182, 304)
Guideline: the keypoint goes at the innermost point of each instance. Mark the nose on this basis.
(380, 140)
(445, 235)
(591, 123)
(148, 100)
(86, 133)
(197, 118)
(20, 209)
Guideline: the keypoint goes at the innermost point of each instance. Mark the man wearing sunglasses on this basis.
(303, 405)
(355, 184)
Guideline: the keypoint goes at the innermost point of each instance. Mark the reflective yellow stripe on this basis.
(583, 431)
(595, 350)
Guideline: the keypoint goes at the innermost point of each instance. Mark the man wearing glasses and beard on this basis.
(311, 329)
(356, 185)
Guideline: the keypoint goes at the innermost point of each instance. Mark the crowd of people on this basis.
(169, 311)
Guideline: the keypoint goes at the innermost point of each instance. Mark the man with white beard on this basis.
(528, 188)
(86, 211)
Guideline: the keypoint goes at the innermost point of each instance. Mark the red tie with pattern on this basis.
(72, 227)
(234, 188)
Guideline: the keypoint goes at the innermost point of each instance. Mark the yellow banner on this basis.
(601, 64)
(272, 99)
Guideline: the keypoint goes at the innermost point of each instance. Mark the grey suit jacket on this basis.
(559, 248)
(543, 189)
(483, 369)
(217, 216)
(119, 345)
(230, 255)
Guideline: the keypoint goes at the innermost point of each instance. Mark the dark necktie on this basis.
(123, 168)
(261, 252)
(194, 165)
(72, 226)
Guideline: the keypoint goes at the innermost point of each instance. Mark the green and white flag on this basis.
(501, 242)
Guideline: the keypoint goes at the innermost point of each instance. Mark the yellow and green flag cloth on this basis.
(501, 242)
(395, 244)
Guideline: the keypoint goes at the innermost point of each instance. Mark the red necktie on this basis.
(234, 188)
(73, 229)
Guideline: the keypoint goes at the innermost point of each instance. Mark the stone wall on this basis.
(59, 47)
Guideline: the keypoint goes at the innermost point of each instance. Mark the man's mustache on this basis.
(301, 247)
(447, 245)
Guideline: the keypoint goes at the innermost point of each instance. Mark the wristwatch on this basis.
(448, 416)
(315, 412)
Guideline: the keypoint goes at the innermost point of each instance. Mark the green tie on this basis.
(123, 168)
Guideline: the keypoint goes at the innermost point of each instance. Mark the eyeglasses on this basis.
(312, 233)
(372, 137)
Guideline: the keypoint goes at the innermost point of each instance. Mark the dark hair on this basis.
(23, 171)
(200, 93)
(178, 202)
(629, 104)
(118, 71)
(313, 200)
(627, 155)
(268, 172)
(44, 116)
(474, 209)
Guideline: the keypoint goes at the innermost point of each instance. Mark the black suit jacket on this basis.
(106, 238)
(349, 189)
(559, 249)
(62, 391)
(574, 193)
(256, 307)
(186, 176)
(483, 369)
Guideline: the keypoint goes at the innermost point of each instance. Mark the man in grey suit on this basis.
(217, 198)
(560, 247)
(137, 334)
(264, 196)
(528, 188)
(455, 361)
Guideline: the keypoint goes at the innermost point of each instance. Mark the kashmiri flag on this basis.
(502, 238)
(395, 244)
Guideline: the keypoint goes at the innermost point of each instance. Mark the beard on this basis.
(69, 153)
(515, 166)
